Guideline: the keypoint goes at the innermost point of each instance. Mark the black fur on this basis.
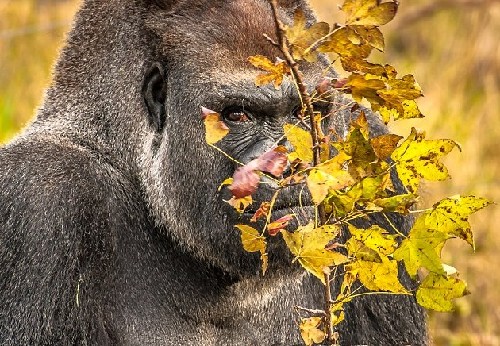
(112, 232)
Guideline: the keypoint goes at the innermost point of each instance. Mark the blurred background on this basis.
(452, 47)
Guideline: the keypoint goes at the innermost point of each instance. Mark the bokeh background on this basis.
(453, 49)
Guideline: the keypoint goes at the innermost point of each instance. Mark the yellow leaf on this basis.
(376, 276)
(437, 292)
(301, 141)
(375, 238)
(358, 147)
(226, 182)
(310, 332)
(302, 38)
(215, 129)
(398, 203)
(253, 242)
(275, 71)
(372, 35)
(318, 186)
(369, 12)
(308, 245)
(346, 43)
(328, 175)
(398, 99)
(240, 204)
(365, 86)
(384, 145)
(450, 216)
(422, 248)
(361, 65)
(419, 158)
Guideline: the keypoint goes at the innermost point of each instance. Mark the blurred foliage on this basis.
(31, 32)
(452, 48)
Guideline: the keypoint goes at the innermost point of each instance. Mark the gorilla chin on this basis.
(111, 229)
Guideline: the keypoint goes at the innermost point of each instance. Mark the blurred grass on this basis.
(31, 32)
(455, 55)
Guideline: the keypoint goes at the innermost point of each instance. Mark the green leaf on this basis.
(422, 248)
(399, 203)
(437, 292)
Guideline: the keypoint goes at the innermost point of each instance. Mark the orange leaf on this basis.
(275, 71)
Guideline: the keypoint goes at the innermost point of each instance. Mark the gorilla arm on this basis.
(60, 215)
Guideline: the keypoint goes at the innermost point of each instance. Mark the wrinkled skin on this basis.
(112, 232)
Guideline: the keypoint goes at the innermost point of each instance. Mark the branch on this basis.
(282, 45)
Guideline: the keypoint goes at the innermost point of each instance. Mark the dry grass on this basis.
(454, 54)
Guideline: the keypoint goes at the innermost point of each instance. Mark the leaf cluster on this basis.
(352, 178)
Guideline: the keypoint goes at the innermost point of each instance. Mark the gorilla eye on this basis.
(235, 116)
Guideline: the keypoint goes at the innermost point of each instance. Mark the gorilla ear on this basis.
(154, 91)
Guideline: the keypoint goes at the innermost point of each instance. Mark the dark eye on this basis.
(235, 115)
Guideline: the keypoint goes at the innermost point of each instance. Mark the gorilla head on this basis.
(112, 230)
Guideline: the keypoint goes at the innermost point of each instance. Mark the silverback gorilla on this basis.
(112, 230)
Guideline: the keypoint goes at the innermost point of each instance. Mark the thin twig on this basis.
(328, 308)
(282, 45)
(306, 97)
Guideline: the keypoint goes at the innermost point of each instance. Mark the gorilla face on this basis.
(177, 160)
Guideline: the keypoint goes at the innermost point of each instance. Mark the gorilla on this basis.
(112, 230)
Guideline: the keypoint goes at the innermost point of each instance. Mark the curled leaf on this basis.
(245, 182)
(261, 212)
(246, 178)
(278, 225)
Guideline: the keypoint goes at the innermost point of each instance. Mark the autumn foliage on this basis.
(349, 175)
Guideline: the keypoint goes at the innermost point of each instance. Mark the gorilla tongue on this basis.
(246, 179)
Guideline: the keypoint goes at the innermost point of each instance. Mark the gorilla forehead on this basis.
(220, 30)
